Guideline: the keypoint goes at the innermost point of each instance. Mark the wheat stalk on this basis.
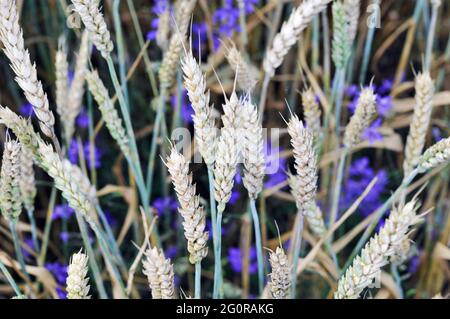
(311, 112)
(365, 111)
(305, 163)
(109, 113)
(290, 33)
(225, 166)
(246, 73)
(94, 22)
(280, 277)
(76, 92)
(10, 197)
(352, 12)
(435, 155)
(367, 266)
(204, 126)
(62, 84)
(420, 121)
(11, 35)
(252, 150)
(190, 209)
(27, 181)
(77, 282)
(159, 272)
(169, 64)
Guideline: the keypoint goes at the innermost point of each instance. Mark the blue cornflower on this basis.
(159, 8)
(82, 120)
(384, 105)
(62, 211)
(235, 260)
(163, 204)
(372, 133)
(26, 110)
(186, 110)
(275, 166)
(87, 155)
(58, 270)
(64, 236)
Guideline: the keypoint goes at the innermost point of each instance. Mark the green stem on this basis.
(47, 227)
(92, 258)
(297, 245)
(34, 236)
(218, 254)
(259, 250)
(430, 37)
(17, 248)
(367, 49)
(120, 47)
(198, 276)
(398, 280)
(10, 279)
(337, 190)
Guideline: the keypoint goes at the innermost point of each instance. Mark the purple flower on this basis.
(238, 178)
(110, 219)
(82, 120)
(414, 264)
(30, 243)
(436, 134)
(275, 166)
(385, 87)
(235, 259)
(87, 154)
(26, 110)
(372, 133)
(64, 236)
(158, 8)
(163, 204)
(73, 151)
(186, 109)
(171, 252)
(58, 270)
(227, 19)
(62, 211)
(235, 195)
(384, 105)
(352, 91)
(360, 175)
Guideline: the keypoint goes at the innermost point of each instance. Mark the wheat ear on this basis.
(352, 12)
(76, 92)
(27, 181)
(280, 277)
(420, 122)
(435, 155)
(365, 111)
(367, 266)
(94, 22)
(162, 33)
(246, 73)
(109, 113)
(225, 166)
(62, 84)
(341, 45)
(311, 112)
(290, 32)
(159, 272)
(77, 282)
(190, 209)
(11, 35)
(172, 56)
(252, 150)
(204, 126)
(10, 197)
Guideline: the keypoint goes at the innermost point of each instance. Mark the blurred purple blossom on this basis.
(163, 204)
(63, 211)
(186, 110)
(171, 252)
(360, 175)
(384, 105)
(82, 120)
(436, 134)
(235, 260)
(226, 18)
(158, 8)
(58, 270)
(73, 153)
(26, 110)
(372, 133)
(64, 236)
(275, 166)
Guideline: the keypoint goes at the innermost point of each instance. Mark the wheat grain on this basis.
(27, 181)
(76, 92)
(190, 209)
(232, 112)
(225, 166)
(169, 65)
(204, 126)
(62, 84)
(365, 111)
(10, 197)
(435, 155)
(159, 272)
(246, 73)
(11, 35)
(290, 32)
(367, 266)
(352, 12)
(77, 282)
(252, 150)
(95, 24)
(420, 122)
(109, 113)
(305, 162)
(341, 45)
(311, 112)
(280, 277)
